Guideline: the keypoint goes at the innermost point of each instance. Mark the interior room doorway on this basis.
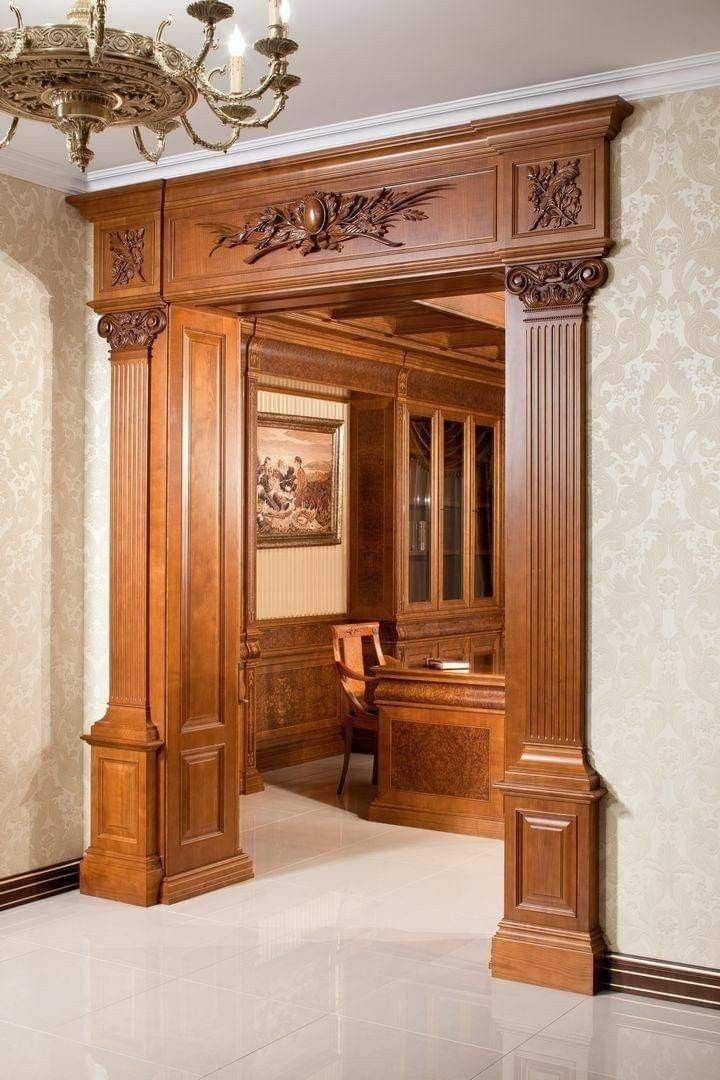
(403, 220)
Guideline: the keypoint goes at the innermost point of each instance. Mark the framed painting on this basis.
(298, 480)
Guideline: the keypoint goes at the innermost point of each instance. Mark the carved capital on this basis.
(132, 329)
(561, 284)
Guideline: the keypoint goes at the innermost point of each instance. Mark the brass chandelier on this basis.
(83, 77)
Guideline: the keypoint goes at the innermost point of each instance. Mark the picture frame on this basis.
(299, 490)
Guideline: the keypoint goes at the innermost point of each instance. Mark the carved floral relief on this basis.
(127, 247)
(326, 221)
(554, 194)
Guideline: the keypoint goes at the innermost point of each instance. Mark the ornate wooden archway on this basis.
(175, 263)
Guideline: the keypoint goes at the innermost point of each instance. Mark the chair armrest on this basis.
(361, 677)
(392, 661)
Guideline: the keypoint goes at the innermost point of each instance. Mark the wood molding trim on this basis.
(39, 884)
(684, 983)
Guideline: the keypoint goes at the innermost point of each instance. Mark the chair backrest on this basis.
(348, 650)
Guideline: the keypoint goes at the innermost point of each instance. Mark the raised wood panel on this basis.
(118, 803)
(204, 546)
(128, 258)
(203, 571)
(547, 862)
(458, 217)
(202, 793)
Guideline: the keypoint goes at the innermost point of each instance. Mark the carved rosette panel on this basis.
(132, 329)
(326, 221)
(127, 247)
(559, 284)
(554, 194)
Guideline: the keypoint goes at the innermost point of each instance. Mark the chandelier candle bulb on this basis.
(236, 46)
(274, 16)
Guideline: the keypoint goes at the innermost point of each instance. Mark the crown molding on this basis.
(633, 84)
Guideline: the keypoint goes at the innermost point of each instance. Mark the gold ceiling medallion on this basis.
(83, 77)
(325, 220)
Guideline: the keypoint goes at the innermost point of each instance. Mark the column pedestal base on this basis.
(206, 879)
(560, 959)
(126, 878)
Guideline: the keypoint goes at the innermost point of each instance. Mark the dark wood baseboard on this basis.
(37, 884)
(662, 979)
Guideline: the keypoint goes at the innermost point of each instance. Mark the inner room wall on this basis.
(300, 592)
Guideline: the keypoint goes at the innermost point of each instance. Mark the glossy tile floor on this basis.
(358, 953)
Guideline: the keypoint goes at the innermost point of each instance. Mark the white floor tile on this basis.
(33, 1055)
(631, 1038)
(326, 975)
(340, 1049)
(465, 1006)
(152, 939)
(14, 946)
(352, 870)
(186, 1025)
(44, 988)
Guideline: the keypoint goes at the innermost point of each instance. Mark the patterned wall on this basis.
(44, 283)
(304, 580)
(655, 504)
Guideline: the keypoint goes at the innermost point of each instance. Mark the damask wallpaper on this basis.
(655, 506)
(46, 337)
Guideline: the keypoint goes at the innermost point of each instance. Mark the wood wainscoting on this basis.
(297, 695)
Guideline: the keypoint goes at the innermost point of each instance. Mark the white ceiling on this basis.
(362, 58)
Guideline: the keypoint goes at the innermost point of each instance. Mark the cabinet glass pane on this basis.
(484, 509)
(452, 516)
(419, 516)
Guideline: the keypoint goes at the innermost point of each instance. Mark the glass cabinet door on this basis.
(453, 482)
(484, 526)
(420, 510)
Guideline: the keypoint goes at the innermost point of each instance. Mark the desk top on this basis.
(420, 673)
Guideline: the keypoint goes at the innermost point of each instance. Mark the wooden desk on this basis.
(441, 749)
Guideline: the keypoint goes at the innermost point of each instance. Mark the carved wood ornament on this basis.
(556, 284)
(325, 220)
(132, 329)
(128, 256)
(554, 194)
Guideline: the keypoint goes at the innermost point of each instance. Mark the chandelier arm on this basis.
(193, 67)
(8, 136)
(20, 38)
(96, 30)
(153, 156)
(198, 140)
(265, 121)
(209, 90)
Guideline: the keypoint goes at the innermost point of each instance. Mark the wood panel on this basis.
(204, 601)
(297, 697)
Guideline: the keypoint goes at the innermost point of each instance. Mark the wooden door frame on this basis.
(528, 193)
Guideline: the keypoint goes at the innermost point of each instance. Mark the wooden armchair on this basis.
(358, 687)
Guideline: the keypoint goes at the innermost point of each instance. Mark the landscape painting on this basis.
(298, 480)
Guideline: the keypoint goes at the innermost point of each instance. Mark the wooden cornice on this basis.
(99, 205)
